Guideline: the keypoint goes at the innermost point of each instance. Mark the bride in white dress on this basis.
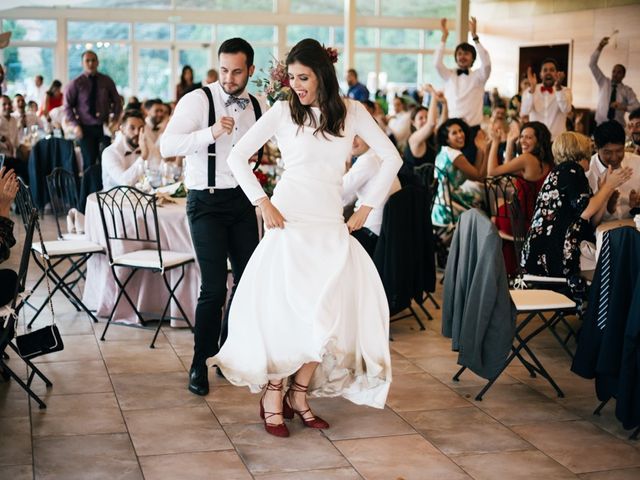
(310, 301)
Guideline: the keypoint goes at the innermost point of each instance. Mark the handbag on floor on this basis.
(46, 339)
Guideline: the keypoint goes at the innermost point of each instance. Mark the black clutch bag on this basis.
(39, 342)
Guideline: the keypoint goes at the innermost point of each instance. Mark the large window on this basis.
(154, 72)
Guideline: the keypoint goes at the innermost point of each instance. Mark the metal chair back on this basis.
(63, 193)
(129, 215)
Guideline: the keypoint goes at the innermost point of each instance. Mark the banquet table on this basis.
(147, 290)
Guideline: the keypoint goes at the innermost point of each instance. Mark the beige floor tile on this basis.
(306, 449)
(175, 430)
(69, 322)
(625, 474)
(349, 420)
(401, 366)
(458, 431)
(121, 332)
(571, 384)
(518, 404)
(83, 414)
(82, 457)
(130, 357)
(234, 404)
(525, 465)
(407, 457)
(15, 441)
(194, 466)
(421, 392)
(74, 377)
(444, 367)
(580, 446)
(420, 344)
(17, 472)
(145, 391)
(327, 474)
(13, 400)
(76, 348)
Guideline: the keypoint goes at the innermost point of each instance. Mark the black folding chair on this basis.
(69, 256)
(131, 216)
(8, 319)
(63, 192)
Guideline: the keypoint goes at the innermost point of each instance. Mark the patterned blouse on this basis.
(552, 246)
(7, 239)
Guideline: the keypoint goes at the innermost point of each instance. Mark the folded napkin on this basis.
(176, 190)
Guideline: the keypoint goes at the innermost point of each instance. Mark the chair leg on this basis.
(121, 291)
(23, 385)
(34, 370)
(456, 377)
(173, 297)
(433, 300)
(600, 407)
(73, 298)
(415, 315)
(424, 309)
(634, 435)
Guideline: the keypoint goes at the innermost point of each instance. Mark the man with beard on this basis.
(549, 102)
(634, 130)
(155, 123)
(614, 98)
(122, 163)
(206, 124)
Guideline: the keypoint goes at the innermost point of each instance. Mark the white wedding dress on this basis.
(310, 292)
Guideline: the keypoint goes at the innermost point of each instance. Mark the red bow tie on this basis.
(546, 89)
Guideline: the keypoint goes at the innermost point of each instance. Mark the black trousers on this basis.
(92, 143)
(223, 224)
(367, 239)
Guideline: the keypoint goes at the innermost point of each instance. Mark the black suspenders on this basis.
(211, 170)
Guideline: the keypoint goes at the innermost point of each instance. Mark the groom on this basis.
(205, 126)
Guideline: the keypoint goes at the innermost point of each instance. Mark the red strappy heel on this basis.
(280, 429)
(288, 410)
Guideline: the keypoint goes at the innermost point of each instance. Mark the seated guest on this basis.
(212, 76)
(609, 138)
(550, 101)
(357, 90)
(10, 140)
(187, 84)
(400, 122)
(532, 166)
(357, 183)
(53, 99)
(133, 104)
(25, 119)
(122, 163)
(155, 123)
(421, 147)
(634, 130)
(566, 211)
(452, 167)
(8, 190)
(498, 123)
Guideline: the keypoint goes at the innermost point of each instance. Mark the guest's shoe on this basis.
(198, 380)
(276, 429)
(312, 421)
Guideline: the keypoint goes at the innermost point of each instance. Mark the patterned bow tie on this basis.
(242, 102)
(546, 89)
(463, 71)
(137, 152)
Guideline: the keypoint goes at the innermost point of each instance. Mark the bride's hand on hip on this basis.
(271, 215)
(356, 221)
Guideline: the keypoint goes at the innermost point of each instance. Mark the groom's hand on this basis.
(222, 126)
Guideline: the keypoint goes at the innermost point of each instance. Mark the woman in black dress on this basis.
(566, 213)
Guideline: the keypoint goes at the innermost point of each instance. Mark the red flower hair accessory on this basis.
(333, 54)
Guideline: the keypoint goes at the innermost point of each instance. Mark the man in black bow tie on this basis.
(463, 87)
(122, 163)
(205, 126)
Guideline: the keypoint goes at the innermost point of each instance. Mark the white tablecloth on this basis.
(146, 289)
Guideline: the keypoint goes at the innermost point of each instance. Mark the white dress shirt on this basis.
(9, 136)
(188, 134)
(357, 183)
(624, 94)
(464, 93)
(598, 171)
(118, 168)
(548, 108)
(26, 121)
(37, 94)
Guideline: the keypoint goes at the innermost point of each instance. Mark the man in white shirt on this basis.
(548, 102)
(38, 91)
(206, 124)
(634, 130)
(122, 163)
(609, 138)
(24, 119)
(463, 87)
(357, 183)
(614, 98)
(9, 139)
(155, 124)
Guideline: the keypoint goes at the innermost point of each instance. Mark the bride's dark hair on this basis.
(310, 53)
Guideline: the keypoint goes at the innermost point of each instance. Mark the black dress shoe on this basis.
(198, 380)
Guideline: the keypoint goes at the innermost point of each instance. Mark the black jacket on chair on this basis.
(611, 354)
(46, 155)
(404, 253)
(91, 182)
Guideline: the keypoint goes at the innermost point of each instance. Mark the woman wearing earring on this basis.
(310, 304)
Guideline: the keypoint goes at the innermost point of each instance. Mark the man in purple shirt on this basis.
(89, 100)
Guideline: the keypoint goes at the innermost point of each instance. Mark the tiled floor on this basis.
(119, 410)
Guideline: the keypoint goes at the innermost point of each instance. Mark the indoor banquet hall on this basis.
(331, 239)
